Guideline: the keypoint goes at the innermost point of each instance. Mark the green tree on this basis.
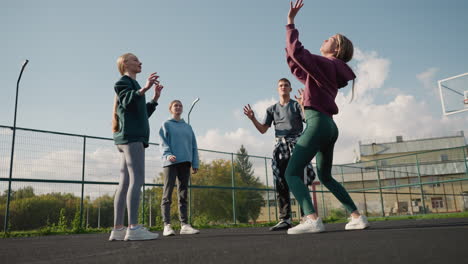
(101, 211)
(249, 202)
(213, 204)
(32, 212)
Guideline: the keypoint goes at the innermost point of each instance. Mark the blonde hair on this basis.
(121, 67)
(121, 62)
(345, 48)
(345, 53)
(173, 102)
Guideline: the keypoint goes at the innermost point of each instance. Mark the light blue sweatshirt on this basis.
(178, 139)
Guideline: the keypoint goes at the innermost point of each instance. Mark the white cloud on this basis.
(427, 78)
(230, 141)
(258, 107)
(404, 115)
(363, 119)
(392, 91)
(371, 71)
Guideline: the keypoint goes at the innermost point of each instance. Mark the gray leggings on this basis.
(132, 177)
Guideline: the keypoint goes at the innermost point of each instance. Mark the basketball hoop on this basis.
(454, 94)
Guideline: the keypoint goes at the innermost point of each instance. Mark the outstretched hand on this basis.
(300, 99)
(152, 79)
(293, 10)
(249, 112)
(157, 91)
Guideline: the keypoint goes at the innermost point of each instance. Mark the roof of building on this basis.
(409, 146)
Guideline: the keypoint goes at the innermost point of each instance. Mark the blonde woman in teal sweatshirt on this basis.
(131, 136)
(179, 154)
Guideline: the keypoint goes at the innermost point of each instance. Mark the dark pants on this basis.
(181, 172)
(282, 192)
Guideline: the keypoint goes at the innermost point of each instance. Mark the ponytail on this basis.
(115, 117)
(352, 92)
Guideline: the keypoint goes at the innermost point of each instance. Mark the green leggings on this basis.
(319, 138)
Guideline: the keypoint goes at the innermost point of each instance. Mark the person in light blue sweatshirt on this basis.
(179, 154)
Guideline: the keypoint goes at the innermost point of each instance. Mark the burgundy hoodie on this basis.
(321, 76)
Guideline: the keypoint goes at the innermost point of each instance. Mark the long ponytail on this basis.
(115, 117)
(121, 67)
(352, 92)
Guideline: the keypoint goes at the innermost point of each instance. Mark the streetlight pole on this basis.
(7, 213)
(190, 178)
(191, 107)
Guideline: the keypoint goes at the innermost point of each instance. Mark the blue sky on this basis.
(229, 53)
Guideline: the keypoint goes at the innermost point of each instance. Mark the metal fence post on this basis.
(82, 181)
(7, 210)
(364, 192)
(143, 204)
(268, 194)
(464, 161)
(396, 192)
(233, 190)
(420, 185)
(323, 200)
(343, 183)
(190, 200)
(380, 188)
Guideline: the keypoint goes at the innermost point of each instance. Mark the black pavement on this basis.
(404, 241)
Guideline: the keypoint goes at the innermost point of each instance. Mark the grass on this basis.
(46, 231)
(427, 216)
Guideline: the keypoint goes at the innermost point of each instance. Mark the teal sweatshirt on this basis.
(178, 139)
(133, 113)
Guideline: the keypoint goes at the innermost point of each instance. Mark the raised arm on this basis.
(293, 10)
(296, 69)
(127, 93)
(262, 128)
(299, 56)
(151, 105)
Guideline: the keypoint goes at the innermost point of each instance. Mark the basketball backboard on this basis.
(454, 94)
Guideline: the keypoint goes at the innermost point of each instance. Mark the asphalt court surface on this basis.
(403, 241)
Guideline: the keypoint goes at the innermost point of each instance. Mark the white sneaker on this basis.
(118, 234)
(357, 223)
(168, 231)
(307, 226)
(186, 229)
(140, 233)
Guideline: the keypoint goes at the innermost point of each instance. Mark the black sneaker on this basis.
(284, 224)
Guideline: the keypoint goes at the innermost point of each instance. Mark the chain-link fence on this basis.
(58, 178)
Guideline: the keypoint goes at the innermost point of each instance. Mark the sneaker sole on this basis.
(115, 239)
(173, 234)
(358, 227)
(139, 239)
(307, 232)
